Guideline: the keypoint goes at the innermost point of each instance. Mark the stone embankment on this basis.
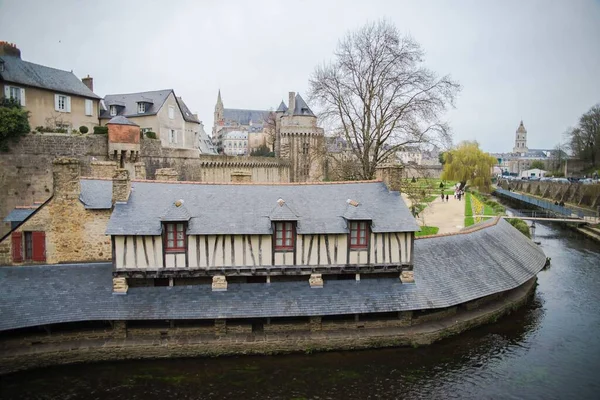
(574, 193)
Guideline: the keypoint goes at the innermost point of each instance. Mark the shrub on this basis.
(14, 123)
(520, 225)
(83, 129)
(151, 135)
(100, 130)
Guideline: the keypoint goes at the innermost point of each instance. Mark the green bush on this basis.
(520, 225)
(151, 135)
(100, 130)
(83, 129)
(14, 123)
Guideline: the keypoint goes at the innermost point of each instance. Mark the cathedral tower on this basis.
(218, 116)
(520, 140)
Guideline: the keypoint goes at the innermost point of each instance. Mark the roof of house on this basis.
(19, 214)
(243, 117)
(300, 107)
(155, 99)
(96, 193)
(185, 111)
(245, 208)
(121, 120)
(449, 270)
(30, 74)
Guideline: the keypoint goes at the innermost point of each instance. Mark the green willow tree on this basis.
(14, 123)
(584, 139)
(468, 163)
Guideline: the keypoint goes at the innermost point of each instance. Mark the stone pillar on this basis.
(391, 175)
(316, 281)
(166, 174)
(140, 170)
(292, 103)
(121, 187)
(220, 327)
(66, 173)
(241, 177)
(103, 169)
(120, 329)
(315, 324)
(407, 277)
(120, 285)
(219, 283)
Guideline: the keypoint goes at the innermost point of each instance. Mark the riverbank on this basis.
(424, 329)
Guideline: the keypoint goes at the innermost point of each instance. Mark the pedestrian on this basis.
(442, 195)
(458, 196)
(446, 198)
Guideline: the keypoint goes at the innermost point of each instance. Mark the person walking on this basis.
(446, 198)
(442, 196)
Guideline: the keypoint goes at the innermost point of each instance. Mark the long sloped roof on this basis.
(154, 100)
(449, 270)
(245, 209)
(30, 74)
(243, 117)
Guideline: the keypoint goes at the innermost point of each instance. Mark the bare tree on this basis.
(270, 129)
(380, 96)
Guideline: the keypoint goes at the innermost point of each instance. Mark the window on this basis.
(171, 112)
(89, 107)
(141, 108)
(62, 103)
(359, 235)
(15, 93)
(284, 236)
(173, 136)
(305, 147)
(175, 237)
(28, 246)
(113, 111)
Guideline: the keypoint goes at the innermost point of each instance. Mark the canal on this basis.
(547, 350)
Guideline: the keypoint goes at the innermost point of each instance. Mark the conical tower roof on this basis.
(521, 128)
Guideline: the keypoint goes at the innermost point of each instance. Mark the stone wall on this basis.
(37, 350)
(26, 171)
(574, 193)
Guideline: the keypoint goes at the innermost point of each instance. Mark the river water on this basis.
(550, 349)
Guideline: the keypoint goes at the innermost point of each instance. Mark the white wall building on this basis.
(533, 173)
(235, 143)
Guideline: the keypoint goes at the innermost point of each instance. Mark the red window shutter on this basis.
(17, 246)
(39, 246)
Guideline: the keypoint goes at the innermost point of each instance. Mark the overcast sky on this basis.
(535, 60)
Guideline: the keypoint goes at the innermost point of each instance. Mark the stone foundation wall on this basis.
(140, 343)
(574, 193)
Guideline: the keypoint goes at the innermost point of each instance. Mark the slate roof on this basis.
(282, 107)
(473, 265)
(176, 212)
(96, 193)
(19, 214)
(359, 213)
(300, 107)
(245, 209)
(30, 74)
(121, 120)
(130, 101)
(185, 111)
(243, 117)
(282, 212)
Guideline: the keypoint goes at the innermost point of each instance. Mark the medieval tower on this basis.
(300, 140)
(520, 140)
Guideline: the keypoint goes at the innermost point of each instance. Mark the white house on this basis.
(533, 173)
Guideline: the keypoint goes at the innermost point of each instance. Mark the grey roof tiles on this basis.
(154, 101)
(245, 209)
(449, 270)
(19, 214)
(96, 193)
(30, 74)
(121, 120)
(243, 117)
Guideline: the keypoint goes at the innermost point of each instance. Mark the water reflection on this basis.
(549, 349)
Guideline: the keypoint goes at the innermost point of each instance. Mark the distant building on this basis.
(520, 140)
(533, 173)
(55, 99)
(235, 143)
(158, 111)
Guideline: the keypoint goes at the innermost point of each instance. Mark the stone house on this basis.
(235, 143)
(159, 111)
(54, 98)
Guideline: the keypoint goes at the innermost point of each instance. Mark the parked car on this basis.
(560, 180)
(545, 179)
(534, 178)
(587, 181)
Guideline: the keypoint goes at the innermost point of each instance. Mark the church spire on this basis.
(219, 101)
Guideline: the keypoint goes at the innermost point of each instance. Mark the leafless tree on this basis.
(377, 92)
(270, 129)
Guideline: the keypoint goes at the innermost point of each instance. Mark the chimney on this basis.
(66, 173)
(121, 186)
(140, 170)
(9, 49)
(103, 169)
(241, 177)
(292, 103)
(166, 174)
(391, 175)
(89, 82)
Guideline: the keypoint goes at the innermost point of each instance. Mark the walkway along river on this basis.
(548, 349)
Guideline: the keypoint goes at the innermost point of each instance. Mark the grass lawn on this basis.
(427, 230)
(469, 220)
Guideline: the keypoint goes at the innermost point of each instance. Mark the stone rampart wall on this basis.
(26, 171)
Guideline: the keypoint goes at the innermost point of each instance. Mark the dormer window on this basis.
(113, 111)
(174, 237)
(284, 236)
(359, 235)
(141, 108)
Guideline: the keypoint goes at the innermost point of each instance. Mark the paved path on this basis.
(448, 216)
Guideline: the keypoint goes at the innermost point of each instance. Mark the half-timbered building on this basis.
(259, 232)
